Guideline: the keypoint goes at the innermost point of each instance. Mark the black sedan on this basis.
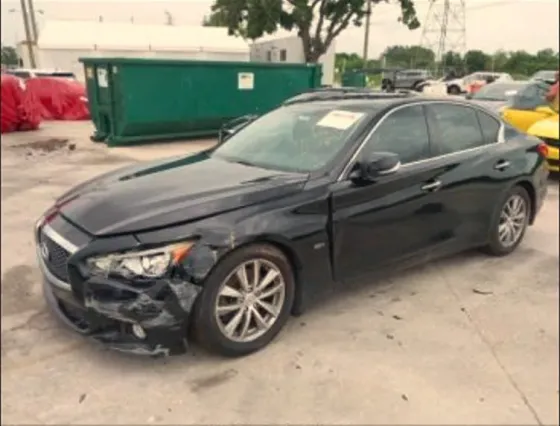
(224, 245)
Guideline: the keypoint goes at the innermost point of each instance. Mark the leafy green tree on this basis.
(409, 57)
(9, 56)
(452, 60)
(476, 60)
(215, 19)
(348, 61)
(318, 22)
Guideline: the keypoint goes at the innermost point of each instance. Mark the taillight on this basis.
(542, 148)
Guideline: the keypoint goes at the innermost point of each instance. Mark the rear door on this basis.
(474, 168)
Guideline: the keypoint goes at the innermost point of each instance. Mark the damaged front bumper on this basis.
(148, 320)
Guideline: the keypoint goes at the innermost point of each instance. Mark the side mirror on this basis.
(375, 165)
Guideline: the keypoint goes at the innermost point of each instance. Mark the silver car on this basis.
(405, 79)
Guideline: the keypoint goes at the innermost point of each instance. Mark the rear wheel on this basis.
(454, 90)
(508, 228)
(245, 301)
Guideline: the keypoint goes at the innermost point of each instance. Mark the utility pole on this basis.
(33, 21)
(28, 37)
(445, 29)
(366, 33)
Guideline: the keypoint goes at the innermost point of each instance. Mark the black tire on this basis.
(387, 85)
(454, 90)
(495, 247)
(205, 326)
(418, 86)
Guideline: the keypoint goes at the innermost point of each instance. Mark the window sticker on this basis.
(340, 119)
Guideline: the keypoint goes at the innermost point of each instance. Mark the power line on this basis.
(445, 28)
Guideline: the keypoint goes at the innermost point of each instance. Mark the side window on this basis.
(490, 127)
(405, 133)
(457, 127)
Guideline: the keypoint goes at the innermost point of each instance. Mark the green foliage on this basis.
(519, 64)
(409, 57)
(215, 19)
(476, 60)
(9, 56)
(318, 22)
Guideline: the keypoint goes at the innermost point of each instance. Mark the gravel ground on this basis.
(470, 339)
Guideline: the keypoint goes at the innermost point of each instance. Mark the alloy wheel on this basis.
(513, 220)
(250, 300)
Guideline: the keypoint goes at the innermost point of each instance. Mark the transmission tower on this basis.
(445, 29)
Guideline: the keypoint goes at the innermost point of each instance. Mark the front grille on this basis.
(555, 143)
(57, 259)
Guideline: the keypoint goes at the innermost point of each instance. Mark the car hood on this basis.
(547, 128)
(177, 190)
(495, 106)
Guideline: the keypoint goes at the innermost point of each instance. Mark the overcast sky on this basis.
(491, 24)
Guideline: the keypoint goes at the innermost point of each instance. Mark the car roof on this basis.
(365, 98)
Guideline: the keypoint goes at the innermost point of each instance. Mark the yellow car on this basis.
(547, 130)
(528, 112)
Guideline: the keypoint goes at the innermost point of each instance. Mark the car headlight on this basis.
(151, 263)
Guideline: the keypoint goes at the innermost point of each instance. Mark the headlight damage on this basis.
(136, 301)
(153, 263)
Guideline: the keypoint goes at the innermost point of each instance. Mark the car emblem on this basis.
(44, 251)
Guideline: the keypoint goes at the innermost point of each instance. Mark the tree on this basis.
(318, 22)
(453, 60)
(9, 56)
(409, 56)
(476, 60)
(215, 19)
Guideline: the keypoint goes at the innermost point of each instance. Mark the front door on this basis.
(395, 217)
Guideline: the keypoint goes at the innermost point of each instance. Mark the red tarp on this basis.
(59, 98)
(19, 110)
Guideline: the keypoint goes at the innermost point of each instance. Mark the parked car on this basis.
(495, 96)
(547, 131)
(528, 106)
(223, 245)
(26, 73)
(405, 79)
(461, 85)
(548, 76)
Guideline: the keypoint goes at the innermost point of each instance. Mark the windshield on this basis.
(497, 91)
(296, 138)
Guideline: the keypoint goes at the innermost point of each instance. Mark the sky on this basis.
(491, 24)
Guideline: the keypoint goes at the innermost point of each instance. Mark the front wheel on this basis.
(508, 228)
(245, 302)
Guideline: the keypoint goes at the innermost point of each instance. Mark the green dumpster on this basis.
(139, 100)
(354, 78)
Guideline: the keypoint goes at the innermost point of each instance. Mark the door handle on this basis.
(432, 186)
(502, 165)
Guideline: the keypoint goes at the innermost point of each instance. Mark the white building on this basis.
(286, 47)
(62, 43)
